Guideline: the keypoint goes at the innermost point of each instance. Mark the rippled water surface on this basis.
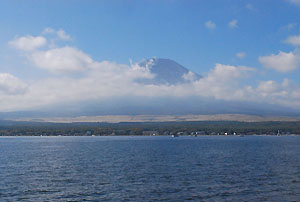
(150, 168)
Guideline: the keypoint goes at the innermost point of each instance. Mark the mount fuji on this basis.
(167, 71)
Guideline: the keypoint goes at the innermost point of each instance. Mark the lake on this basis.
(217, 168)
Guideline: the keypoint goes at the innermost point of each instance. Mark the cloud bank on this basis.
(73, 76)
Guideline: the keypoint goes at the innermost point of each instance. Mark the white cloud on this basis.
(48, 30)
(210, 25)
(222, 82)
(267, 87)
(63, 35)
(104, 80)
(62, 60)
(107, 79)
(28, 43)
(240, 55)
(11, 85)
(190, 76)
(293, 40)
(233, 24)
(296, 2)
(228, 72)
(286, 82)
(277, 93)
(250, 7)
(289, 26)
(282, 62)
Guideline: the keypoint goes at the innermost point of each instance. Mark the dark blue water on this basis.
(150, 168)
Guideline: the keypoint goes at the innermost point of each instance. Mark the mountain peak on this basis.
(167, 71)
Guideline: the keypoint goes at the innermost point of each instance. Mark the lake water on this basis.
(257, 168)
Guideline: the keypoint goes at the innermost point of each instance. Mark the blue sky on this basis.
(196, 34)
(119, 30)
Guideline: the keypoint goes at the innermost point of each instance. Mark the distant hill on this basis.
(160, 118)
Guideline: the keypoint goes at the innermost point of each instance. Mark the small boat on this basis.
(175, 135)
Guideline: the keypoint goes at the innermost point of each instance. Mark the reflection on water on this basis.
(149, 168)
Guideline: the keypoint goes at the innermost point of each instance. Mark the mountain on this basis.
(167, 71)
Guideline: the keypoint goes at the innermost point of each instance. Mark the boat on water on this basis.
(175, 135)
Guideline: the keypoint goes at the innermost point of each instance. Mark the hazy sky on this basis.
(60, 51)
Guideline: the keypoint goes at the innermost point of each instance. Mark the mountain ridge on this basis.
(162, 118)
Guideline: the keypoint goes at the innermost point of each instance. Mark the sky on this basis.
(53, 52)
